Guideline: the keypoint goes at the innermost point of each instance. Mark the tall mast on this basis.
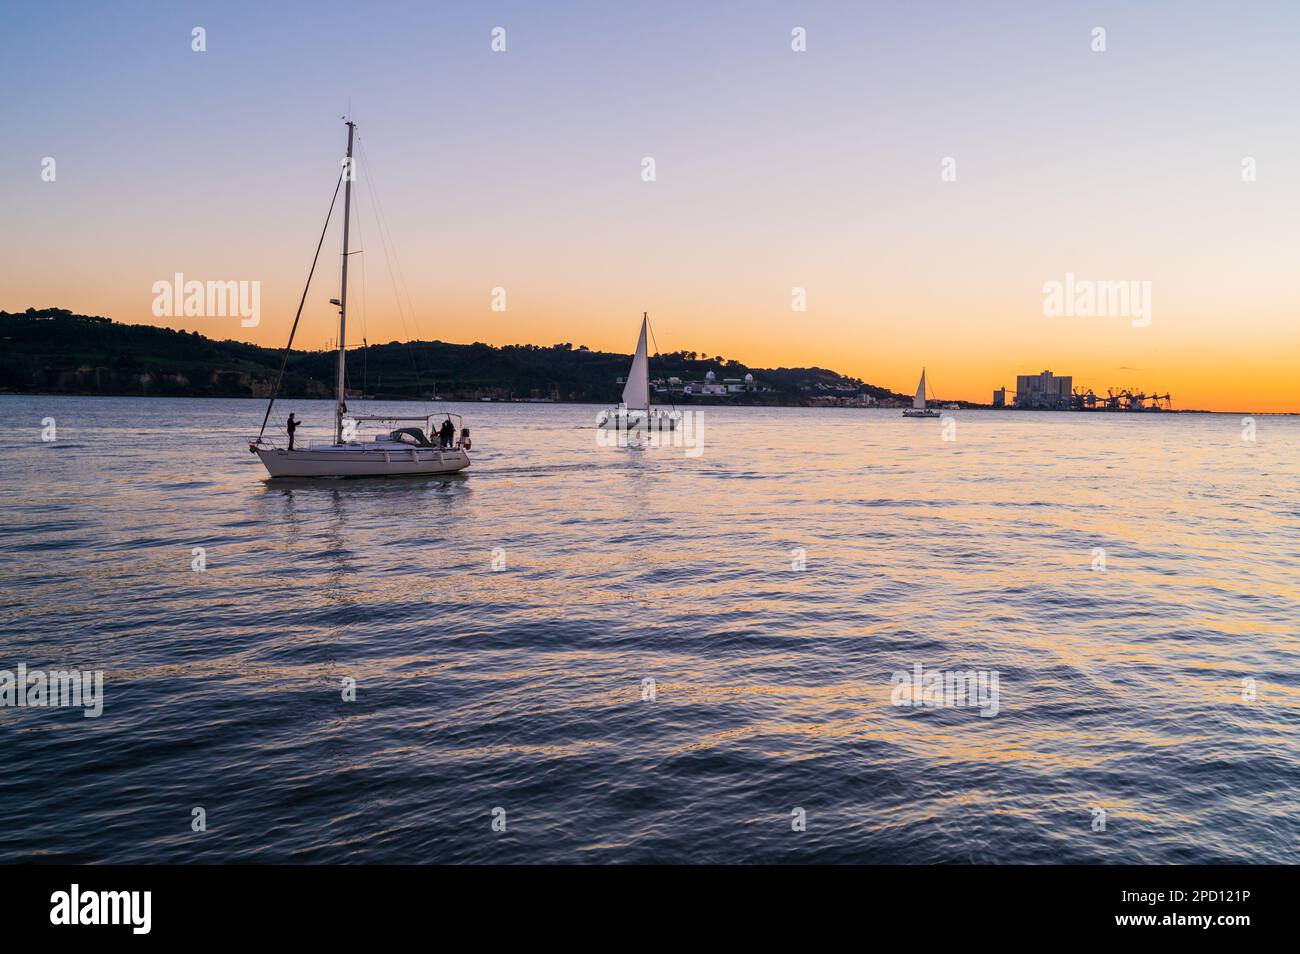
(339, 405)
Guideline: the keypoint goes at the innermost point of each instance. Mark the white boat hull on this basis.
(638, 421)
(353, 460)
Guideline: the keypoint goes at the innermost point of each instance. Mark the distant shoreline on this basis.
(53, 351)
(690, 404)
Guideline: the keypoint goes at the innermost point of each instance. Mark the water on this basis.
(521, 688)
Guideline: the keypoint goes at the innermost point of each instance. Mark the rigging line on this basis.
(365, 326)
(396, 275)
(386, 243)
(390, 260)
(671, 402)
(401, 275)
(284, 359)
(381, 226)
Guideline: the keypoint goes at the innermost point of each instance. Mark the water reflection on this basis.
(519, 678)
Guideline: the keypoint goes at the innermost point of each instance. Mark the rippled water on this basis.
(522, 688)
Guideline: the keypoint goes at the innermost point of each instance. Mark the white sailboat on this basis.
(918, 408)
(634, 412)
(399, 452)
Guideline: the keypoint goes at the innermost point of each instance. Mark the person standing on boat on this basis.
(291, 425)
(447, 433)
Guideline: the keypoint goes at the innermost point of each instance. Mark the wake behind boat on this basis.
(634, 412)
(403, 451)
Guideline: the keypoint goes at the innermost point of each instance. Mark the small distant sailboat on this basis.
(918, 408)
(401, 452)
(634, 412)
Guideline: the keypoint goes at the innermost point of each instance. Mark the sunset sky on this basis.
(775, 169)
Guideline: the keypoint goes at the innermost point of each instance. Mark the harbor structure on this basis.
(1123, 399)
(1045, 391)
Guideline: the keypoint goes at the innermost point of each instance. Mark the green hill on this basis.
(52, 350)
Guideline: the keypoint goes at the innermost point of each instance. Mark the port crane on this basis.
(1131, 400)
(1121, 399)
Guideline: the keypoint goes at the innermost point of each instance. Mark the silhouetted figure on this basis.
(447, 434)
(291, 425)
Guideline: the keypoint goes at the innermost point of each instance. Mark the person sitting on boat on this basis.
(291, 425)
(447, 433)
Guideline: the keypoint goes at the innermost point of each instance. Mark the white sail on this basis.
(636, 393)
(918, 402)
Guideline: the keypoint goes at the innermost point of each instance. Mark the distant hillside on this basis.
(54, 351)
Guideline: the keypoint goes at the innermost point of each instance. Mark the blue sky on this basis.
(775, 169)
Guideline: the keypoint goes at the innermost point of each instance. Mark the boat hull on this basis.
(637, 421)
(350, 461)
(911, 412)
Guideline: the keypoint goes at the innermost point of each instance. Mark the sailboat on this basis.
(634, 412)
(400, 451)
(918, 408)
